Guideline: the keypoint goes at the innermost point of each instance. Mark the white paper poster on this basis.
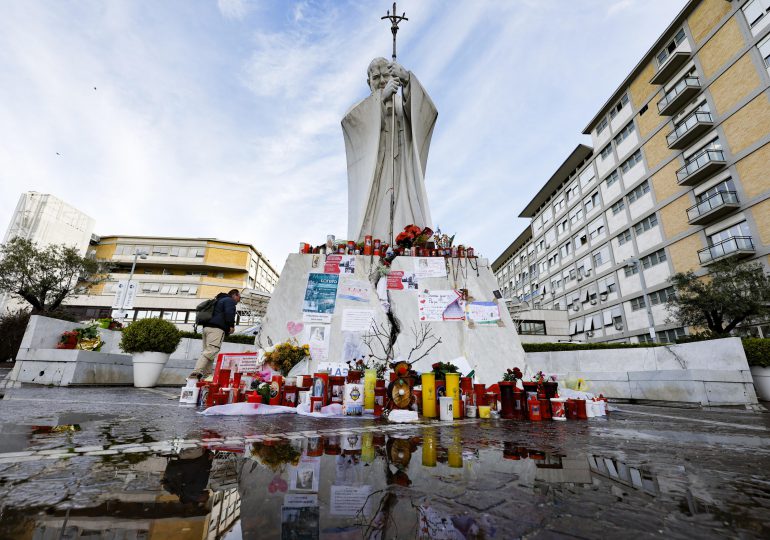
(354, 289)
(429, 267)
(323, 318)
(357, 320)
(317, 336)
(335, 369)
(441, 306)
(305, 476)
(350, 500)
(484, 312)
(398, 280)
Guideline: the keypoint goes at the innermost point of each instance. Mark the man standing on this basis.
(222, 324)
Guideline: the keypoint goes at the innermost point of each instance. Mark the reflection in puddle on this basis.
(346, 484)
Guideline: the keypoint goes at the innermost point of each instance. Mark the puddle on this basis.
(358, 483)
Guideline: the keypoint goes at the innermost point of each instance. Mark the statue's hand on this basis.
(398, 71)
(391, 88)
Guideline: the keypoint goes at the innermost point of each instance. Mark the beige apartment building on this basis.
(176, 274)
(677, 177)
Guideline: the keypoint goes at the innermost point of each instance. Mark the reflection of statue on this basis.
(368, 132)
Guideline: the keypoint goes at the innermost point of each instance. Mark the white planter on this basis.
(761, 376)
(148, 367)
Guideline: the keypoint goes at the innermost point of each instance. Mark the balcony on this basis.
(673, 63)
(737, 246)
(681, 93)
(713, 208)
(692, 127)
(701, 166)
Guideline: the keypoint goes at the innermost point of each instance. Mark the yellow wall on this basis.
(719, 49)
(664, 181)
(228, 257)
(706, 15)
(753, 171)
(761, 214)
(650, 119)
(684, 253)
(641, 89)
(734, 84)
(105, 251)
(656, 149)
(193, 528)
(674, 216)
(749, 124)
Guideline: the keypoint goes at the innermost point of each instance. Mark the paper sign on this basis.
(350, 500)
(429, 267)
(440, 306)
(321, 293)
(398, 280)
(335, 369)
(354, 289)
(305, 476)
(340, 264)
(357, 320)
(298, 500)
(484, 312)
(249, 364)
(317, 336)
(323, 318)
(353, 347)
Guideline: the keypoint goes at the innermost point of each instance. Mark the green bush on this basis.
(757, 351)
(12, 328)
(548, 347)
(240, 338)
(150, 335)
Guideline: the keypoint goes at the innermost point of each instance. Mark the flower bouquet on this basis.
(287, 355)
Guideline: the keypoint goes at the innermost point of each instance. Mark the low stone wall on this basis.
(40, 362)
(713, 372)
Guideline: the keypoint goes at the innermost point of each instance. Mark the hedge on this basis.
(548, 347)
(757, 351)
(236, 338)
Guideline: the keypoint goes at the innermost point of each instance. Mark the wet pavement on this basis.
(131, 463)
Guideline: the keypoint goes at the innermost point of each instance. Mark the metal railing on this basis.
(688, 123)
(687, 82)
(718, 199)
(724, 248)
(698, 161)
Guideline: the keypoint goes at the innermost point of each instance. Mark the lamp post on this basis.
(634, 263)
(122, 309)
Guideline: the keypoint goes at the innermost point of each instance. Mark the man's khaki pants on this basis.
(212, 342)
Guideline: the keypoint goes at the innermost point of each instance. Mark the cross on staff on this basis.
(394, 20)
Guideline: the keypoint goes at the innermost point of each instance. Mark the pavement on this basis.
(132, 463)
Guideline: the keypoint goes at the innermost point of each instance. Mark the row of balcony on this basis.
(737, 246)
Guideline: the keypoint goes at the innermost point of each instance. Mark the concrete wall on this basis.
(711, 372)
(40, 362)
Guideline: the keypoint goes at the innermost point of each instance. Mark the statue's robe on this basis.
(367, 128)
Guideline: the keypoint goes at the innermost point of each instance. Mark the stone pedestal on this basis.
(489, 350)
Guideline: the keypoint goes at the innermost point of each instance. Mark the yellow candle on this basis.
(367, 447)
(455, 455)
(453, 391)
(370, 381)
(429, 449)
(483, 411)
(429, 395)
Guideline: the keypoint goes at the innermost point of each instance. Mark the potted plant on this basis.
(507, 386)
(68, 340)
(758, 356)
(151, 342)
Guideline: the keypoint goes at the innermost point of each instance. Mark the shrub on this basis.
(12, 327)
(548, 347)
(238, 338)
(150, 335)
(757, 351)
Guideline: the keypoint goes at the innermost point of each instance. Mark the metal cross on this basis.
(394, 20)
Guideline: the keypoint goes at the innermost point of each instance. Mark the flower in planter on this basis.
(512, 375)
(285, 356)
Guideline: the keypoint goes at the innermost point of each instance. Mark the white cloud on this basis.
(233, 9)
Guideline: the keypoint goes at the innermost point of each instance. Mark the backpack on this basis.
(204, 311)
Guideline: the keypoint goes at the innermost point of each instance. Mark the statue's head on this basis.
(378, 74)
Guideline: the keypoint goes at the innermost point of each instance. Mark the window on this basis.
(617, 207)
(670, 48)
(739, 229)
(601, 126)
(631, 270)
(619, 106)
(662, 296)
(637, 303)
(531, 328)
(566, 249)
(606, 151)
(197, 273)
(571, 191)
(624, 237)
(592, 201)
(199, 252)
(628, 164)
(653, 258)
(638, 192)
(612, 178)
(562, 228)
(756, 11)
(576, 214)
(764, 50)
(643, 110)
(598, 259)
(580, 239)
(646, 224)
(624, 133)
(595, 233)
(644, 338)
(722, 187)
(559, 205)
(670, 336)
(587, 176)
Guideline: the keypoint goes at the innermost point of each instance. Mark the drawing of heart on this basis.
(294, 328)
(422, 301)
(422, 318)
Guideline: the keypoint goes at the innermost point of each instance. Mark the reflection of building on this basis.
(676, 180)
(177, 275)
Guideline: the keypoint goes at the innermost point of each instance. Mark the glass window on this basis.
(670, 336)
(722, 187)
(662, 296)
(606, 151)
(639, 191)
(739, 229)
(670, 48)
(612, 178)
(591, 201)
(653, 258)
(631, 270)
(756, 10)
(764, 50)
(602, 125)
(624, 237)
(646, 224)
(531, 328)
(625, 132)
(628, 164)
(637, 303)
(619, 106)
(618, 206)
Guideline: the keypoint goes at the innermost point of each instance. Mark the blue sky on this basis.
(222, 119)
